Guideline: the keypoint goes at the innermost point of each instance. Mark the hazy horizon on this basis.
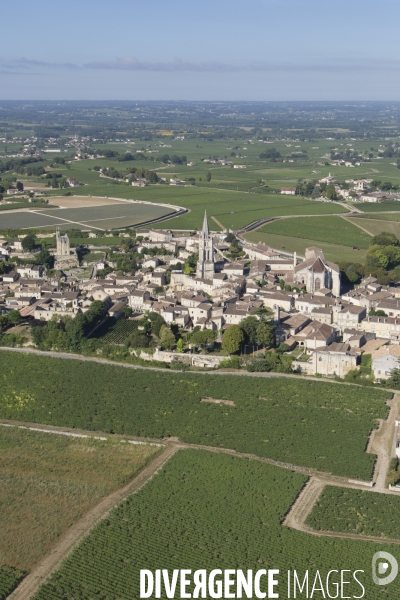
(264, 50)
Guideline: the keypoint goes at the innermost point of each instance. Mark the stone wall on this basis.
(195, 360)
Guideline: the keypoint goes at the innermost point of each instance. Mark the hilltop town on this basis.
(212, 282)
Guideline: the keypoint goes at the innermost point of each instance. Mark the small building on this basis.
(288, 191)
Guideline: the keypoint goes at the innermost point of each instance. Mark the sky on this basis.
(209, 50)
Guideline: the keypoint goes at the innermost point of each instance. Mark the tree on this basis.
(45, 258)
(331, 192)
(14, 317)
(180, 345)
(167, 338)
(29, 242)
(20, 186)
(232, 340)
(385, 239)
(271, 154)
(394, 379)
(249, 327)
(208, 175)
(265, 334)
(203, 337)
(156, 323)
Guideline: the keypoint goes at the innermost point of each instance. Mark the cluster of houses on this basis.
(328, 331)
(355, 190)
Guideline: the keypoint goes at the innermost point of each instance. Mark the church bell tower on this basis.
(205, 265)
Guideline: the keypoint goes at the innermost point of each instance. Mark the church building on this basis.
(317, 273)
(205, 266)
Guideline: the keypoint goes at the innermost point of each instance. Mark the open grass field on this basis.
(114, 216)
(208, 511)
(355, 511)
(376, 226)
(332, 230)
(332, 252)
(296, 421)
(49, 481)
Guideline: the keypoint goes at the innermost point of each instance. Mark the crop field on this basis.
(116, 332)
(296, 421)
(49, 481)
(376, 226)
(325, 229)
(240, 208)
(379, 207)
(355, 511)
(9, 579)
(203, 511)
(332, 252)
(98, 217)
(390, 216)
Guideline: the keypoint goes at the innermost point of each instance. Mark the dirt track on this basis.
(82, 528)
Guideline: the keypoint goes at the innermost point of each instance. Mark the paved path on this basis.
(84, 526)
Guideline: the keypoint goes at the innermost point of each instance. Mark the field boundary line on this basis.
(218, 222)
(80, 530)
(350, 220)
(65, 220)
(77, 434)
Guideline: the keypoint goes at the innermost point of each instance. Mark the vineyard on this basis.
(356, 511)
(9, 579)
(206, 511)
(320, 425)
(116, 332)
(48, 481)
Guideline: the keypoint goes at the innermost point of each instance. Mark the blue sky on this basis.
(210, 50)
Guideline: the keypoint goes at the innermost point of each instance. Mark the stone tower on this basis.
(63, 248)
(205, 265)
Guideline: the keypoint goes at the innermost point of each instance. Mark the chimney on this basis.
(294, 259)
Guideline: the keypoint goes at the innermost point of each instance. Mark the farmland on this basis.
(355, 511)
(390, 216)
(9, 579)
(49, 481)
(372, 207)
(332, 252)
(202, 511)
(299, 422)
(325, 229)
(116, 332)
(376, 226)
(123, 214)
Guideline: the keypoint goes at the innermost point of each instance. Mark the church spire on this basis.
(205, 224)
